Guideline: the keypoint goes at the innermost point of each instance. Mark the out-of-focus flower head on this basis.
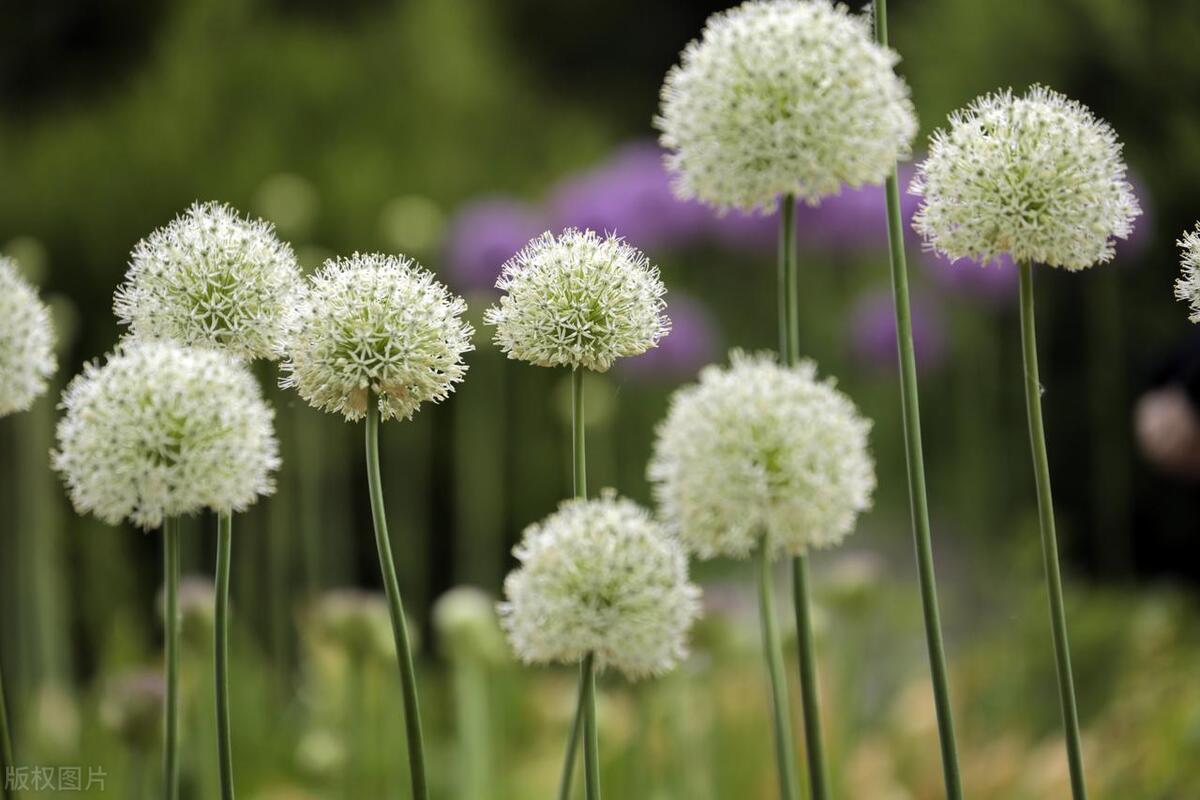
(761, 450)
(211, 277)
(162, 430)
(783, 97)
(1038, 177)
(578, 300)
(465, 619)
(131, 707)
(483, 235)
(26, 341)
(873, 332)
(689, 347)
(355, 621)
(600, 576)
(377, 325)
(1187, 287)
(630, 195)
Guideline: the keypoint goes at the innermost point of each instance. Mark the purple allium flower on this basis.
(994, 283)
(483, 235)
(629, 195)
(681, 353)
(873, 332)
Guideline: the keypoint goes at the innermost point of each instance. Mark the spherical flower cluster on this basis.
(1037, 177)
(578, 300)
(376, 324)
(465, 620)
(1187, 287)
(211, 277)
(600, 576)
(26, 342)
(163, 430)
(783, 97)
(757, 450)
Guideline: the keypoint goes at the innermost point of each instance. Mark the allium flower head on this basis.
(600, 576)
(783, 97)
(1037, 177)
(26, 342)
(211, 277)
(376, 324)
(163, 430)
(1187, 287)
(578, 300)
(760, 449)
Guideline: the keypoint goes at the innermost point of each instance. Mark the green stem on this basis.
(471, 706)
(568, 770)
(6, 747)
(789, 335)
(1041, 474)
(171, 626)
(221, 653)
(578, 434)
(785, 750)
(408, 679)
(591, 745)
(809, 693)
(918, 499)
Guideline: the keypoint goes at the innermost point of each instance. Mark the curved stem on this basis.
(408, 679)
(591, 744)
(171, 627)
(6, 747)
(785, 749)
(221, 652)
(809, 693)
(1041, 474)
(915, 458)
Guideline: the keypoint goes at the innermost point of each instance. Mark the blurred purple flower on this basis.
(994, 283)
(629, 195)
(483, 235)
(681, 353)
(873, 332)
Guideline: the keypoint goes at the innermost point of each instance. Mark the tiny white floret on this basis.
(1187, 286)
(26, 342)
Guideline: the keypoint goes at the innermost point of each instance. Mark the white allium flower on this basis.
(1187, 287)
(381, 324)
(578, 300)
(211, 277)
(783, 97)
(1037, 177)
(163, 430)
(26, 342)
(600, 576)
(761, 449)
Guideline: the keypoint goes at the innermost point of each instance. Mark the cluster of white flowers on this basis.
(578, 300)
(757, 450)
(783, 97)
(211, 277)
(1037, 177)
(600, 576)
(377, 324)
(163, 430)
(1187, 287)
(26, 342)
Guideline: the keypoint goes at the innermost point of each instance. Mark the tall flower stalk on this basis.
(915, 460)
(1040, 179)
(766, 459)
(159, 431)
(213, 278)
(26, 363)
(582, 301)
(377, 337)
(391, 584)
